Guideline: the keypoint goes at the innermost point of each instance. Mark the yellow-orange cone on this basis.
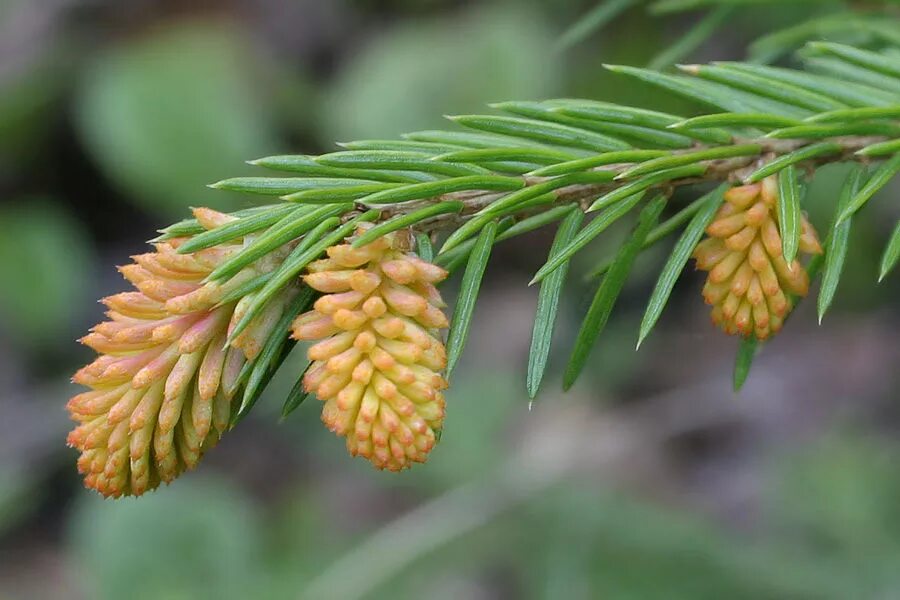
(162, 388)
(378, 365)
(750, 285)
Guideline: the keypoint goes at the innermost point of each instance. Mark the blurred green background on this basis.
(651, 479)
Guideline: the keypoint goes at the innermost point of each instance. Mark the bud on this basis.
(750, 286)
(162, 388)
(377, 366)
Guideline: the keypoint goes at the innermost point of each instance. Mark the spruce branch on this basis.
(450, 197)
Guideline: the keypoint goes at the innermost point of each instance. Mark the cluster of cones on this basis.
(162, 388)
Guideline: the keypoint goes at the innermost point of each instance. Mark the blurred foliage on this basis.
(26, 107)
(45, 264)
(196, 541)
(631, 549)
(839, 496)
(167, 112)
(844, 542)
(472, 438)
(418, 70)
(17, 496)
(581, 539)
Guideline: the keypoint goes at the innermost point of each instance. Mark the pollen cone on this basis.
(162, 386)
(377, 366)
(750, 285)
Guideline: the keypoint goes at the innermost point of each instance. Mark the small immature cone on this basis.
(377, 366)
(161, 390)
(750, 285)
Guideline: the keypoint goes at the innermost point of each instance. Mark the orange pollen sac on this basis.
(378, 360)
(750, 286)
(161, 389)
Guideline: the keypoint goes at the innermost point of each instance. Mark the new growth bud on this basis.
(750, 285)
(162, 388)
(377, 366)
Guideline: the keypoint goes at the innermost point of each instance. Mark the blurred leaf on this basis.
(26, 107)
(18, 496)
(45, 269)
(474, 435)
(693, 38)
(653, 552)
(170, 112)
(835, 26)
(855, 514)
(193, 541)
(302, 539)
(592, 21)
(408, 77)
